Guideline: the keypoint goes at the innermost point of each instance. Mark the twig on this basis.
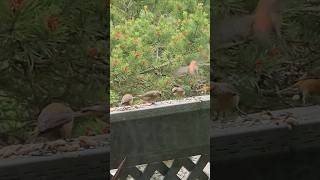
(281, 98)
(119, 169)
(154, 68)
(229, 45)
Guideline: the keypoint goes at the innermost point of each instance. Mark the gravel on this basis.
(53, 147)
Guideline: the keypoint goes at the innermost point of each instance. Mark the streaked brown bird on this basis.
(56, 121)
(98, 110)
(127, 100)
(225, 98)
(150, 96)
(178, 91)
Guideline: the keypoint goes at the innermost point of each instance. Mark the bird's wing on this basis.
(100, 108)
(181, 71)
(223, 88)
(147, 94)
(48, 121)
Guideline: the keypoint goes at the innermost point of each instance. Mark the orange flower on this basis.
(118, 35)
(52, 23)
(125, 69)
(115, 62)
(137, 55)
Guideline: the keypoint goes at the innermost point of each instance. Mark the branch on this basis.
(155, 68)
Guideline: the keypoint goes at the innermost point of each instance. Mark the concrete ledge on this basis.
(167, 130)
(89, 164)
(258, 137)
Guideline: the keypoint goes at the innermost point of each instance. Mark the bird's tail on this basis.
(240, 111)
(296, 85)
(79, 114)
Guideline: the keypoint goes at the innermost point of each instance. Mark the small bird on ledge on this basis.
(127, 100)
(150, 96)
(225, 98)
(56, 121)
(178, 91)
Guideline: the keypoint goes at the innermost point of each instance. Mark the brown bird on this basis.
(178, 91)
(182, 71)
(150, 96)
(204, 88)
(98, 110)
(267, 19)
(225, 98)
(127, 100)
(308, 87)
(56, 121)
(191, 69)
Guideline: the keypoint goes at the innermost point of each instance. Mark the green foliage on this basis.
(151, 40)
(51, 51)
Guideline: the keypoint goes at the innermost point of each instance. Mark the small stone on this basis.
(56, 143)
(296, 97)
